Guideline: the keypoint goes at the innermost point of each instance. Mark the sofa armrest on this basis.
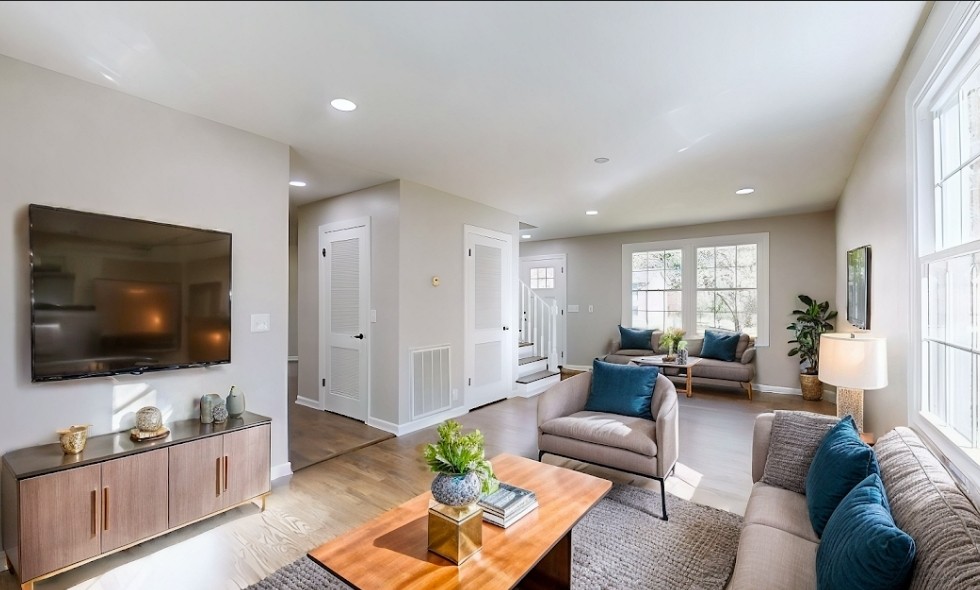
(564, 398)
(748, 356)
(761, 435)
(614, 345)
(667, 432)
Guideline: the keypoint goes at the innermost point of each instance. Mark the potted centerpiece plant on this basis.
(810, 322)
(463, 472)
(669, 340)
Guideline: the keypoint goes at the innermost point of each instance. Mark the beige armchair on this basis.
(641, 446)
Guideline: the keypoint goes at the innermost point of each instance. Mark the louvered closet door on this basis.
(489, 349)
(345, 280)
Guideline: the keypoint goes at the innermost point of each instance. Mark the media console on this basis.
(61, 511)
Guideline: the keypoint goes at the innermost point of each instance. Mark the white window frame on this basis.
(944, 69)
(689, 291)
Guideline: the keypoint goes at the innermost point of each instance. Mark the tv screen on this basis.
(112, 295)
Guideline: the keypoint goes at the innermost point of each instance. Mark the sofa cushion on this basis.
(779, 508)
(772, 558)
(611, 430)
(622, 389)
(861, 546)
(720, 345)
(841, 462)
(634, 338)
(715, 369)
(794, 441)
(928, 505)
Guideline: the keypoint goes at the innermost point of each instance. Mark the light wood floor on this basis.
(328, 498)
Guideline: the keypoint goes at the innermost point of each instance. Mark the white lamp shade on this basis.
(854, 362)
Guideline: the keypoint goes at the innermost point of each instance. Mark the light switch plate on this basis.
(374, 316)
(260, 322)
(572, 309)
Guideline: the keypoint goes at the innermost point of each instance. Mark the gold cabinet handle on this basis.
(226, 473)
(105, 509)
(95, 517)
(217, 476)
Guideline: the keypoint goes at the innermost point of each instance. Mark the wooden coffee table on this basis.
(658, 361)
(391, 550)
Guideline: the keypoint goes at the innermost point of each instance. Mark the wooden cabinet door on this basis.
(195, 480)
(59, 520)
(248, 462)
(134, 498)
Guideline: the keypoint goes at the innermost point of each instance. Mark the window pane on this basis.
(655, 300)
(725, 321)
(970, 200)
(656, 259)
(725, 277)
(745, 277)
(640, 319)
(673, 300)
(706, 278)
(673, 279)
(656, 280)
(706, 301)
(674, 320)
(748, 308)
(640, 280)
(705, 321)
(706, 257)
(970, 116)
(725, 257)
(951, 208)
(747, 255)
(640, 260)
(551, 272)
(672, 259)
(949, 140)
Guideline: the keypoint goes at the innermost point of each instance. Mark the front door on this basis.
(489, 349)
(345, 278)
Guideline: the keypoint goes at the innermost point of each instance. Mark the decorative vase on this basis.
(455, 489)
(682, 357)
(149, 419)
(73, 439)
(671, 357)
(208, 403)
(812, 387)
(235, 402)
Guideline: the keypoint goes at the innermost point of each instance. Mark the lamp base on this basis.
(851, 401)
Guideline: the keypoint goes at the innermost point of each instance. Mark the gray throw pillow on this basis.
(793, 443)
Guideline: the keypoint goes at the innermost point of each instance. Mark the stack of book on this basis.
(507, 505)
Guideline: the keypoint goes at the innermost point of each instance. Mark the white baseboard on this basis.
(309, 403)
(282, 470)
(400, 429)
(578, 367)
(777, 389)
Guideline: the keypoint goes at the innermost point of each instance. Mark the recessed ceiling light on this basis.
(591, 212)
(342, 104)
(526, 236)
(745, 191)
(296, 183)
(601, 160)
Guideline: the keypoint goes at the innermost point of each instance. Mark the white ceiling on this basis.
(509, 103)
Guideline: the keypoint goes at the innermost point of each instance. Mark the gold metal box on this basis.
(455, 533)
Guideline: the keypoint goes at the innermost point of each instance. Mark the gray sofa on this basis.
(741, 370)
(644, 446)
(777, 547)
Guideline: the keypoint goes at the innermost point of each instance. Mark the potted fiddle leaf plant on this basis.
(809, 323)
(463, 472)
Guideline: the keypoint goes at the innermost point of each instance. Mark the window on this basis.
(543, 277)
(656, 289)
(719, 282)
(948, 240)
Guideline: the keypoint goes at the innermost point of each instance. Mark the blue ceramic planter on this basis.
(455, 489)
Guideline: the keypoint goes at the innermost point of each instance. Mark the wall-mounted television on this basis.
(112, 295)
(859, 287)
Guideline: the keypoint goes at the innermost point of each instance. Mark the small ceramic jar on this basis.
(220, 414)
(149, 419)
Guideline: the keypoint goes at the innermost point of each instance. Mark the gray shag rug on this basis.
(620, 543)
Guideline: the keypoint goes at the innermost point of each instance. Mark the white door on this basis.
(549, 284)
(345, 279)
(488, 293)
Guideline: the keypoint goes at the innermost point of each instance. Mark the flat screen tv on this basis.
(111, 295)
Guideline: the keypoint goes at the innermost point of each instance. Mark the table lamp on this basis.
(853, 363)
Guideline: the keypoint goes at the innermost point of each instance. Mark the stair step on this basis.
(536, 377)
(530, 359)
(523, 344)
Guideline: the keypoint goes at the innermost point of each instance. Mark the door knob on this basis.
(506, 328)
(359, 336)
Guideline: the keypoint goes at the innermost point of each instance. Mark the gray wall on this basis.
(381, 204)
(801, 260)
(874, 210)
(431, 244)
(73, 144)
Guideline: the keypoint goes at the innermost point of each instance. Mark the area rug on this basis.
(621, 543)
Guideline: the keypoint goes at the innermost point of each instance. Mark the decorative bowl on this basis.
(73, 439)
(149, 419)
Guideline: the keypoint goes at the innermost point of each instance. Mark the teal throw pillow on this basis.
(634, 339)
(720, 345)
(861, 545)
(621, 389)
(841, 462)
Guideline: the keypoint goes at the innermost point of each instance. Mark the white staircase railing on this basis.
(539, 324)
